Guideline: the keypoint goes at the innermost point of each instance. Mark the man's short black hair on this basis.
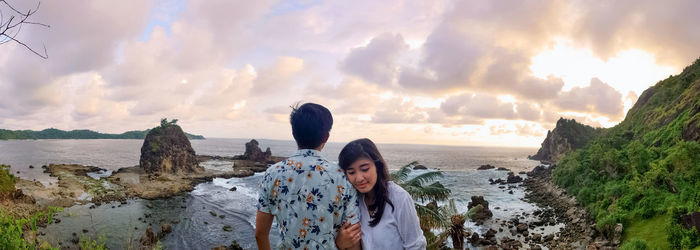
(310, 124)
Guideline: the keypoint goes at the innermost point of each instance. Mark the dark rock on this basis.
(166, 228)
(536, 237)
(232, 189)
(522, 227)
(222, 216)
(418, 167)
(148, 238)
(512, 178)
(474, 239)
(548, 238)
(502, 169)
(227, 228)
(479, 214)
(30, 166)
(212, 213)
(691, 220)
(233, 246)
(485, 167)
(253, 152)
(166, 149)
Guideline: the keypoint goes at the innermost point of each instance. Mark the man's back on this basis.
(310, 199)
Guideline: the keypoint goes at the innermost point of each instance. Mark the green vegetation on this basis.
(423, 187)
(11, 228)
(7, 180)
(645, 168)
(53, 133)
(577, 134)
(86, 243)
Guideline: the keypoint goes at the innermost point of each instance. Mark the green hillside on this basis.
(644, 172)
(53, 133)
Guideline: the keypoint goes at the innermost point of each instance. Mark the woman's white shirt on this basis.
(398, 229)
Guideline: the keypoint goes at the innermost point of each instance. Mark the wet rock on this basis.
(166, 149)
(522, 227)
(474, 239)
(227, 228)
(148, 238)
(485, 167)
(419, 167)
(149, 205)
(233, 246)
(536, 237)
(222, 216)
(513, 178)
(479, 214)
(232, 189)
(212, 213)
(30, 166)
(549, 237)
(502, 169)
(166, 228)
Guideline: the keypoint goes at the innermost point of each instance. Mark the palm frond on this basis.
(434, 191)
(425, 178)
(402, 174)
(429, 218)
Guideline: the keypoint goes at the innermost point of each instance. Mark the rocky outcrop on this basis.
(253, 152)
(485, 167)
(479, 209)
(567, 136)
(166, 149)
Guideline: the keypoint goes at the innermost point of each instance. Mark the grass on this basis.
(652, 231)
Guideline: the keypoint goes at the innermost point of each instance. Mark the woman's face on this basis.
(362, 174)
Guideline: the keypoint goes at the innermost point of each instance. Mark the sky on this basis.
(477, 73)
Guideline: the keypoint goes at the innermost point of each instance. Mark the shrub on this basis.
(634, 244)
(7, 180)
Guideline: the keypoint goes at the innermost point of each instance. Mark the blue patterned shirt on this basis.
(310, 198)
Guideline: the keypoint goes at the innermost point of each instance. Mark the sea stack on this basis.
(166, 149)
(253, 152)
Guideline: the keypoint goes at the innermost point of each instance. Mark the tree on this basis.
(164, 122)
(11, 22)
(430, 215)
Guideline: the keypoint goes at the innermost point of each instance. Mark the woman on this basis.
(388, 218)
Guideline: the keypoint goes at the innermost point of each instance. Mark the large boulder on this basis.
(166, 149)
(479, 209)
(253, 152)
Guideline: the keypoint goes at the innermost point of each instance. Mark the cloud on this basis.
(278, 77)
(667, 29)
(376, 62)
(396, 110)
(598, 97)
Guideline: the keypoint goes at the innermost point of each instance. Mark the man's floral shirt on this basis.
(310, 198)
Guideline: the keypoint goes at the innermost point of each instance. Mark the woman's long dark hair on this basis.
(365, 148)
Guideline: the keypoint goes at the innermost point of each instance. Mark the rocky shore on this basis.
(579, 227)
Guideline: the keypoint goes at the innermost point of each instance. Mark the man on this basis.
(309, 197)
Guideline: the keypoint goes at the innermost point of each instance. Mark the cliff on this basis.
(568, 135)
(644, 173)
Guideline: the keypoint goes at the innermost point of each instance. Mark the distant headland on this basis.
(52, 133)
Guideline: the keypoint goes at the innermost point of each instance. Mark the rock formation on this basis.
(479, 209)
(166, 149)
(253, 153)
(567, 136)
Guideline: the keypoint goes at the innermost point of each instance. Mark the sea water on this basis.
(191, 215)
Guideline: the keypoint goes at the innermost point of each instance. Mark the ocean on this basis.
(192, 214)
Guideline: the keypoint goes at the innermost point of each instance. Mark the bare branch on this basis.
(10, 30)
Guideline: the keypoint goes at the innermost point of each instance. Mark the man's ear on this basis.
(325, 137)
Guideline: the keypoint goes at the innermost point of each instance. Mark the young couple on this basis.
(320, 205)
